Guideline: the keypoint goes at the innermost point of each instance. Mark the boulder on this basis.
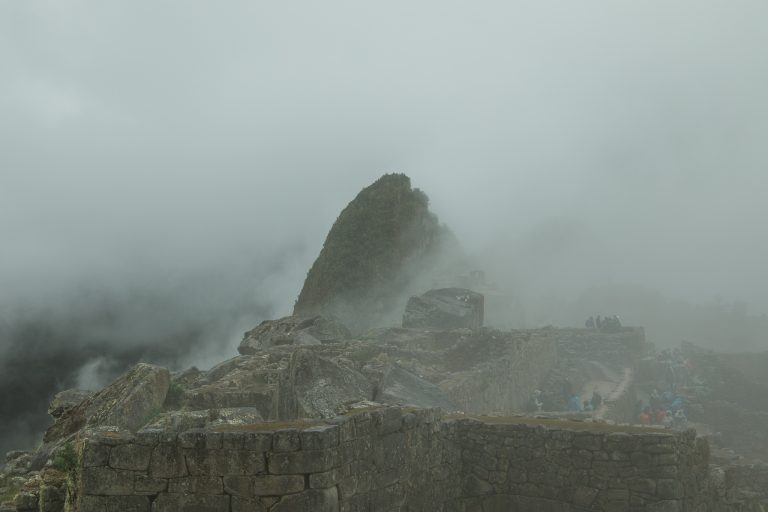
(129, 402)
(66, 400)
(315, 386)
(445, 308)
(243, 381)
(401, 387)
(293, 330)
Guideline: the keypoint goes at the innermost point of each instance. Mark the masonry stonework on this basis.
(389, 459)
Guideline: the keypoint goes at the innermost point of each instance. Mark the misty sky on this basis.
(571, 144)
(169, 170)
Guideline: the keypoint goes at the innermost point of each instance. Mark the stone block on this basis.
(286, 440)
(319, 438)
(316, 500)
(584, 496)
(214, 440)
(669, 489)
(114, 504)
(148, 437)
(240, 504)
(26, 501)
(277, 485)
(325, 479)
(191, 503)
(130, 456)
(107, 481)
(95, 454)
(232, 440)
(193, 438)
(167, 461)
(196, 485)
(588, 441)
(642, 485)
(225, 462)
(302, 462)
(665, 506)
(51, 499)
(144, 484)
(257, 441)
(236, 485)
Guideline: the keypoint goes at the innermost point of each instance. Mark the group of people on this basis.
(666, 409)
(608, 323)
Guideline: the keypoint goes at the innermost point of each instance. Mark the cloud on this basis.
(183, 161)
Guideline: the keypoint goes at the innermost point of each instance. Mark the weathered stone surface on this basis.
(66, 400)
(317, 500)
(130, 456)
(319, 385)
(225, 462)
(310, 461)
(196, 485)
(240, 504)
(445, 308)
(107, 481)
(114, 504)
(129, 402)
(167, 461)
(277, 485)
(243, 381)
(401, 387)
(190, 503)
(293, 330)
(382, 459)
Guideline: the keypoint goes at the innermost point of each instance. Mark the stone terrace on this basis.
(389, 459)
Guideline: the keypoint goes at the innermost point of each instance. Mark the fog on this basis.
(169, 170)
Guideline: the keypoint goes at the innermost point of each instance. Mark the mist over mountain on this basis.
(168, 172)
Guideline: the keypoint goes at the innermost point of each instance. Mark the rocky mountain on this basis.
(383, 247)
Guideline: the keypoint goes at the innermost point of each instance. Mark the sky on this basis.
(169, 169)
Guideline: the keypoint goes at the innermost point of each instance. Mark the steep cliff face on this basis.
(380, 242)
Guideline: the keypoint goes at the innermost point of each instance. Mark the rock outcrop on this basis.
(293, 330)
(446, 308)
(319, 385)
(401, 387)
(380, 245)
(129, 402)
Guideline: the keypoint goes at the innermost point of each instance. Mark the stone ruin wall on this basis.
(747, 483)
(505, 385)
(397, 459)
(385, 459)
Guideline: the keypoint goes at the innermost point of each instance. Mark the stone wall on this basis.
(392, 459)
(504, 385)
(385, 459)
(747, 485)
(523, 467)
(743, 430)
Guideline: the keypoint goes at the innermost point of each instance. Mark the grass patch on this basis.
(560, 423)
(269, 426)
(175, 394)
(65, 459)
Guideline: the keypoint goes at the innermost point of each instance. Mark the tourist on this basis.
(574, 404)
(597, 399)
